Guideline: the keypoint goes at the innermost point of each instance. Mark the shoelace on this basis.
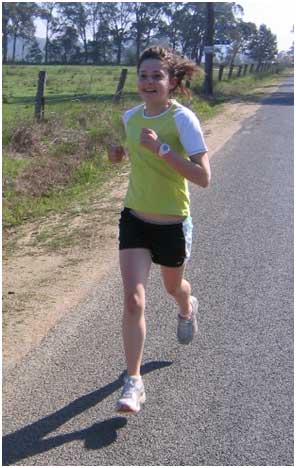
(128, 389)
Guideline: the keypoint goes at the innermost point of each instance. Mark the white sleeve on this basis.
(129, 113)
(190, 132)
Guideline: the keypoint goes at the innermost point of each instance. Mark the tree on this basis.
(55, 51)
(170, 25)
(197, 30)
(34, 54)
(102, 42)
(263, 45)
(227, 15)
(76, 16)
(5, 21)
(119, 24)
(96, 13)
(240, 39)
(291, 52)
(209, 42)
(146, 19)
(112, 25)
(64, 47)
(46, 13)
(184, 26)
(18, 22)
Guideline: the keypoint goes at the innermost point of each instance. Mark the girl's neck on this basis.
(152, 110)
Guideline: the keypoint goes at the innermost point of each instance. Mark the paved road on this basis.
(227, 399)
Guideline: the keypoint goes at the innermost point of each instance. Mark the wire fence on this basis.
(41, 98)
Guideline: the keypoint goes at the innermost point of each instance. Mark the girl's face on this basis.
(154, 82)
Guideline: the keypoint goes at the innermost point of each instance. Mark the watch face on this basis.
(164, 149)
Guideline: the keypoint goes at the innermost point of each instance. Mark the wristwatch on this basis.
(164, 149)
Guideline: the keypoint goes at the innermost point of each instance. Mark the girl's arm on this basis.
(197, 170)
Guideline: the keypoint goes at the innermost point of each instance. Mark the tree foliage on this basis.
(116, 32)
(34, 54)
(263, 45)
(46, 13)
(17, 21)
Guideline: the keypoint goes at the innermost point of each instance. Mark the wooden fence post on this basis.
(239, 71)
(251, 68)
(245, 69)
(230, 71)
(39, 100)
(120, 86)
(221, 68)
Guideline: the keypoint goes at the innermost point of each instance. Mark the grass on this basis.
(86, 180)
(61, 163)
(12, 167)
(243, 88)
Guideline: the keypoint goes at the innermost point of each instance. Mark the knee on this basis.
(134, 303)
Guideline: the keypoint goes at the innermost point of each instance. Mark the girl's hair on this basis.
(177, 66)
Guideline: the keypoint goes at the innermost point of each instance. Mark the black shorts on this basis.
(169, 244)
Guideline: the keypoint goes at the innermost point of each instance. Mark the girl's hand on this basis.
(150, 140)
(115, 153)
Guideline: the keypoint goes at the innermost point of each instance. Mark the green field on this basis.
(61, 162)
(65, 87)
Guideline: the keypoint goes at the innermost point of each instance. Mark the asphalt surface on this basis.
(225, 400)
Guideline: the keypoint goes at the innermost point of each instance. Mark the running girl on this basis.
(166, 149)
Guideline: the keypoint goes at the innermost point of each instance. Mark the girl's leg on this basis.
(135, 266)
(178, 287)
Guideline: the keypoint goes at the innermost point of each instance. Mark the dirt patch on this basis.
(41, 284)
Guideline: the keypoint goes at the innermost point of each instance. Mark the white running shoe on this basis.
(132, 396)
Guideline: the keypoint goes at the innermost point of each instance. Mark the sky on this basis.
(279, 16)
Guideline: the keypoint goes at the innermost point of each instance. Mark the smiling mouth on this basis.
(150, 91)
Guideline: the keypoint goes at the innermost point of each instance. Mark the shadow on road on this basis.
(30, 440)
(279, 98)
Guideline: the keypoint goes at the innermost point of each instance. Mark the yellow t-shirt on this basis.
(154, 186)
